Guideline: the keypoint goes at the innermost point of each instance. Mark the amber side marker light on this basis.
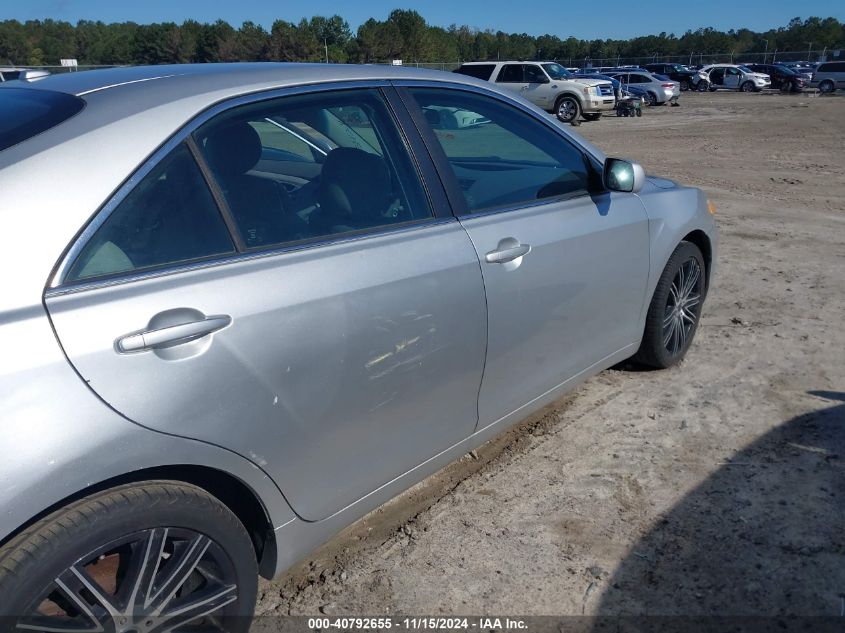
(711, 207)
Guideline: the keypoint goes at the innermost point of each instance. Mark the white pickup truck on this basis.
(549, 86)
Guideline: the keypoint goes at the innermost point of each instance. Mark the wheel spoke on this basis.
(682, 331)
(688, 316)
(692, 279)
(76, 576)
(146, 558)
(667, 334)
(691, 302)
(179, 572)
(200, 605)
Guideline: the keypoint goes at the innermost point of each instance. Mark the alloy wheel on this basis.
(683, 307)
(154, 581)
(567, 110)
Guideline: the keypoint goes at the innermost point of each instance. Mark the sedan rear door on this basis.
(331, 329)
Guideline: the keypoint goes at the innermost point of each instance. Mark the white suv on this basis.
(733, 77)
(549, 86)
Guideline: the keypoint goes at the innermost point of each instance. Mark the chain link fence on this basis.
(595, 62)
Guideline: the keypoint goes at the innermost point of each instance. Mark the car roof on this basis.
(235, 77)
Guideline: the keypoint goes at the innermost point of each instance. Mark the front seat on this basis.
(354, 191)
(257, 204)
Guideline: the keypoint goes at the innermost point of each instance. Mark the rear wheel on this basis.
(158, 555)
(567, 109)
(651, 98)
(685, 85)
(786, 86)
(675, 308)
(826, 87)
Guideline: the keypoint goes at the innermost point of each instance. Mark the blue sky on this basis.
(609, 18)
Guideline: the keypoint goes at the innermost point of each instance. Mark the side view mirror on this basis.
(623, 175)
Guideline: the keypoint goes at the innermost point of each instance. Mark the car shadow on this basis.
(763, 537)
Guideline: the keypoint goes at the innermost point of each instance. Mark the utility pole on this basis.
(810, 52)
(326, 46)
(766, 54)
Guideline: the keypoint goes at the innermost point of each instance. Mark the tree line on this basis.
(403, 35)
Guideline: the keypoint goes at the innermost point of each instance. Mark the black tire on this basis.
(786, 86)
(592, 116)
(567, 109)
(655, 350)
(747, 86)
(827, 87)
(111, 538)
(651, 98)
(702, 86)
(685, 85)
(639, 112)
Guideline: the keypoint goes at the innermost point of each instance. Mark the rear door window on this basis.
(310, 166)
(479, 71)
(169, 217)
(511, 73)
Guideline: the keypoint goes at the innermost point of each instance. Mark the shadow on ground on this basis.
(763, 536)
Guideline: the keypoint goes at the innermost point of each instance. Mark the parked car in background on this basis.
(548, 85)
(733, 77)
(217, 355)
(10, 73)
(657, 90)
(829, 77)
(617, 86)
(13, 74)
(782, 78)
(675, 72)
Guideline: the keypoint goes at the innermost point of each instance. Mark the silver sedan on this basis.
(657, 89)
(246, 304)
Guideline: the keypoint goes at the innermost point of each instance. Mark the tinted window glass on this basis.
(831, 67)
(169, 217)
(501, 155)
(479, 71)
(27, 112)
(310, 166)
(534, 75)
(511, 73)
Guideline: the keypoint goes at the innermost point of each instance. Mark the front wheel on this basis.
(747, 86)
(685, 85)
(675, 308)
(141, 557)
(567, 109)
(826, 87)
(593, 116)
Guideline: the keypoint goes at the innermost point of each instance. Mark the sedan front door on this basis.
(565, 265)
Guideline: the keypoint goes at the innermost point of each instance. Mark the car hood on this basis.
(662, 183)
(590, 82)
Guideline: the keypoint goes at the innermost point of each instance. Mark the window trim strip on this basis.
(217, 194)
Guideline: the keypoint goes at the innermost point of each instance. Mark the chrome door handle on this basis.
(173, 335)
(504, 255)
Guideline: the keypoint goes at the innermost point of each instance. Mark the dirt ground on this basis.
(713, 488)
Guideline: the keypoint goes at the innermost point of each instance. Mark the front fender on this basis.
(673, 213)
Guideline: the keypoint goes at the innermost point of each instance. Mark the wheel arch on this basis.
(241, 499)
(700, 239)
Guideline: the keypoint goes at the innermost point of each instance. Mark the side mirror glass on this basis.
(623, 175)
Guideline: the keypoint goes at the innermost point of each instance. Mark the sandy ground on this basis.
(716, 487)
